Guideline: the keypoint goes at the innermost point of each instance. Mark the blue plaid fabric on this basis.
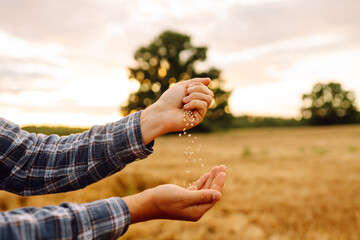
(103, 219)
(33, 164)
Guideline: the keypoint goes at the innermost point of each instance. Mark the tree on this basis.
(169, 58)
(329, 104)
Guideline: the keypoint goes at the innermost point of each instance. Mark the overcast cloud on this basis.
(60, 58)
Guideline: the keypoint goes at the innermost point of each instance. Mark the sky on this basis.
(65, 62)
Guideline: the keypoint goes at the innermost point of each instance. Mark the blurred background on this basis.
(76, 54)
(293, 65)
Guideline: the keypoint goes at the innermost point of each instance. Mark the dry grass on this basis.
(282, 183)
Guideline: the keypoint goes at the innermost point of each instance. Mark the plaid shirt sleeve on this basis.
(33, 164)
(103, 219)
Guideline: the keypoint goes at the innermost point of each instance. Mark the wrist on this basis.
(151, 124)
(140, 207)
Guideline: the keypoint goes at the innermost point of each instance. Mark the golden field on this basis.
(282, 183)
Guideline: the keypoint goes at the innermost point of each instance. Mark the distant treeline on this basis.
(59, 130)
(254, 122)
(236, 122)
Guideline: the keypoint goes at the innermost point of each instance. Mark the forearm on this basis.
(151, 124)
(104, 219)
(36, 164)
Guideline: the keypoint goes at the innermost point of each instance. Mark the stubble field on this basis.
(282, 183)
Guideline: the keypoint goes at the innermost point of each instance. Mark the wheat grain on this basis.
(189, 120)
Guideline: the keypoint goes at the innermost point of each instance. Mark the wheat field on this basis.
(282, 183)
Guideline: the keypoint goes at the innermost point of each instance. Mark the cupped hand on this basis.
(174, 202)
(167, 114)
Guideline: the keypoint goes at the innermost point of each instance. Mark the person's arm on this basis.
(37, 164)
(110, 218)
(33, 164)
(103, 219)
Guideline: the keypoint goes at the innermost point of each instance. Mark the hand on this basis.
(167, 114)
(174, 202)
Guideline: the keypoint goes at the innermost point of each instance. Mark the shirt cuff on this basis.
(106, 219)
(121, 215)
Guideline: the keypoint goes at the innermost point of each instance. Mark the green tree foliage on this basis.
(169, 58)
(329, 104)
(258, 122)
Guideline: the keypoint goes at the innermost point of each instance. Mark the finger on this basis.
(202, 197)
(200, 182)
(219, 178)
(218, 182)
(211, 177)
(215, 172)
(199, 105)
(201, 202)
(222, 168)
(199, 88)
(195, 84)
(205, 81)
(199, 96)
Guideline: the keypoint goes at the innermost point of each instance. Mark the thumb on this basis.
(204, 197)
(205, 81)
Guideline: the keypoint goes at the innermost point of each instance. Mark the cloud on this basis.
(15, 82)
(254, 65)
(283, 96)
(70, 23)
(246, 26)
(75, 49)
(225, 25)
(55, 106)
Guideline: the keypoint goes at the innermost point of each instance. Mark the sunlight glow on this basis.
(93, 92)
(284, 97)
(18, 48)
(77, 73)
(271, 99)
